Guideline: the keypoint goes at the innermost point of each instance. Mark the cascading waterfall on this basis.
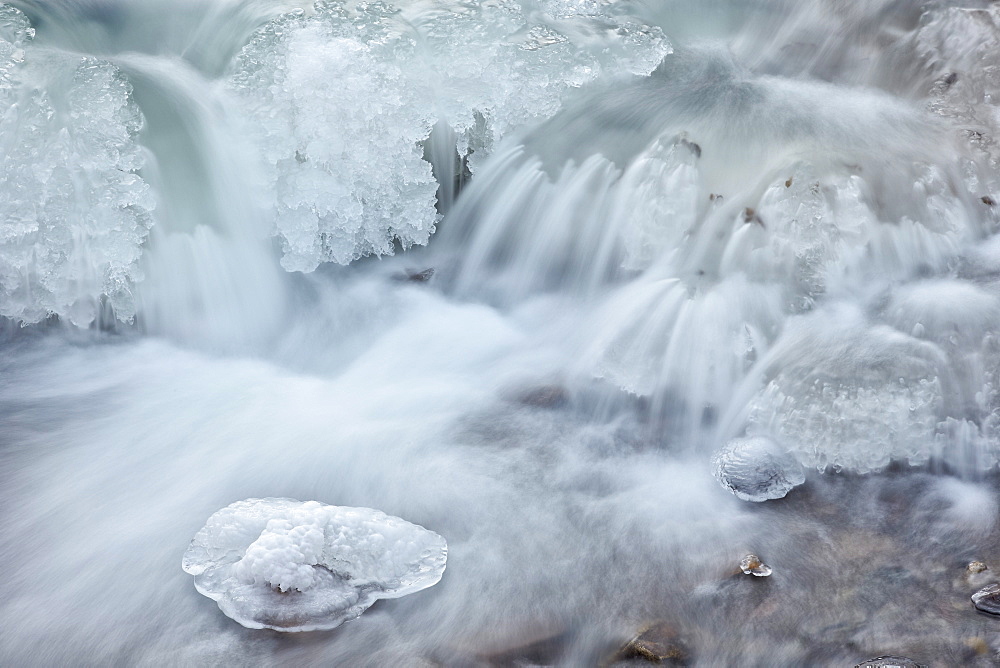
(525, 273)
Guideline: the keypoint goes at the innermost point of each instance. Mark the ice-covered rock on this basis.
(889, 662)
(75, 210)
(757, 469)
(752, 565)
(987, 599)
(291, 566)
(340, 100)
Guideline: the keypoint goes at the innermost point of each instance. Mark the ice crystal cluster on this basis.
(75, 211)
(340, 100)
(291, 566)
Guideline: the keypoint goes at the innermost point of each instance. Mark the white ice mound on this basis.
(75, 211)
(339, 101)
(291, 566)
(757, 469)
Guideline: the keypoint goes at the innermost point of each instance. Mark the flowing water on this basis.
(655, 226)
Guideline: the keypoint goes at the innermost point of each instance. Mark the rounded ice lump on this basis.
(289, 565)
(757, 469)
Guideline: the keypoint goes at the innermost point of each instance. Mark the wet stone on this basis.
(975, 567)
(988, 201)
(752, 565)
(691, 146)
(546, 396)
(414, 276)
(889, 662)
(541, 652)
(658, 643)
(987, 599)
(750, 216)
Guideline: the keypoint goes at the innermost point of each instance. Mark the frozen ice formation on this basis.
(291, 566)
(339, 102)
(850, 395)
(958, 45)
(757, 469)
(75, 211)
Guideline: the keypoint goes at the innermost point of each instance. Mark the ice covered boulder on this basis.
(757, 469)
(291, 566)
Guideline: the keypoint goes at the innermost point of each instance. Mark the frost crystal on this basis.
(291, 566)
(340, 101)
(75, 212)
(757, 469)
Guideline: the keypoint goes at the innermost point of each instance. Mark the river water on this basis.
(654, 226)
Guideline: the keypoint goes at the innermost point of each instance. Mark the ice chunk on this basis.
(75, 210)
(757, 469)
(848, 395)
(291, 566)
(341, 100)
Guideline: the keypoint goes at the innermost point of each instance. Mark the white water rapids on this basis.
(655, 226)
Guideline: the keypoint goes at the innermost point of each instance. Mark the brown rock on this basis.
(750, 216)
(752, 565)
(414, 276)
(658, 643)
(976, 567)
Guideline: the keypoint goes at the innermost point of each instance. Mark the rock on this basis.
(752, 565)
(988, 201)
(545, 651)
(546, 396)
(414, 276)
(987, 599)
(658, 643)
(976, 567)
(691, 146)
(889, 662)
(757, 469)
(750, 216)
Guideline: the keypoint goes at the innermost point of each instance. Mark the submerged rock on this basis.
(657, 643)
(544, 651)
(889, 662)
(975, 567)
(757, 469)
(545, 396)
(752, 565)
(291, 566)
(414, 276)
(987, 599)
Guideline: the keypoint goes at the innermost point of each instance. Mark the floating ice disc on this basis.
(291, 566)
